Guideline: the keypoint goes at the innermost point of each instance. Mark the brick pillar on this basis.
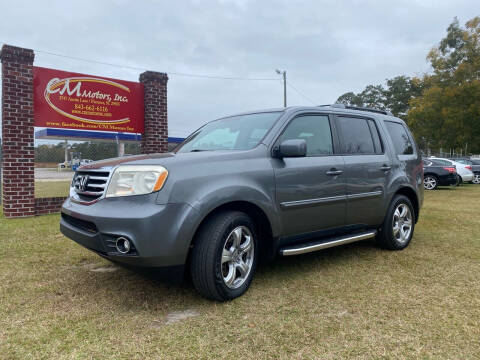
(17, 130)
(155, 138)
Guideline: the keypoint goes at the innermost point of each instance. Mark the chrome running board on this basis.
(325, 244)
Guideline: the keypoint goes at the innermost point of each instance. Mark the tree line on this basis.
(442, 108)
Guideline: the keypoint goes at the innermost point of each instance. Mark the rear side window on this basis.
(376, 137)
(315, 130)
(358, 137)
(401, 141)
(441, 162)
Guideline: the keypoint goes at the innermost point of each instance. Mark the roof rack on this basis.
(360, 108)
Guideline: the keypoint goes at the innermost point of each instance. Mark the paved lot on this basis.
(52, 174)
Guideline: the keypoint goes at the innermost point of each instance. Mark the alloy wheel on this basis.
(237, 257)
(476, 179)
(402, 223)
(429, 183)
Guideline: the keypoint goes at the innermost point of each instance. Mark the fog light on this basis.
(123, 245)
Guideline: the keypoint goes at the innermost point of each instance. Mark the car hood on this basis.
(109, 163)
(167, 159)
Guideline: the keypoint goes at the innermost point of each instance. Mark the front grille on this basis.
(90, 184)
(79, 223)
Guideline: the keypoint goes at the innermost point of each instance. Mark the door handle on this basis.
(334, 172)
(385, 167)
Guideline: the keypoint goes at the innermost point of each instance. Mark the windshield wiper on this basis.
(197, 150)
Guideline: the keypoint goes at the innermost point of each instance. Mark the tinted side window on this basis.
(356, 136)
(376, 137)
(315, 130)
(400, 138)
(442, 162)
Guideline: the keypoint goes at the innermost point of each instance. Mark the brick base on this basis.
(17, 131)
(48, 205)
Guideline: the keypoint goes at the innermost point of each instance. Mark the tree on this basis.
(350, 99)
(373, 96)
(394, 97)
(448, 112)
(399, 92)
(442, 108)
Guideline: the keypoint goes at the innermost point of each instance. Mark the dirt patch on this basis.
(174, 317)
(105, 269)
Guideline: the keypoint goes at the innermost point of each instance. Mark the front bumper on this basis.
(160, 234)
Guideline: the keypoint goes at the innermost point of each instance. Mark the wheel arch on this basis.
(412, 196)
(430, 174)
(258, 215)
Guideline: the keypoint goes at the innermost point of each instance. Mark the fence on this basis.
(447, 153)
(56, 160)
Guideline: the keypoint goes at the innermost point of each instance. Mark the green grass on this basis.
(45, 189)
(355, 301)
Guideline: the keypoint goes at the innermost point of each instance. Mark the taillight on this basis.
(468, 167)
(450, 169)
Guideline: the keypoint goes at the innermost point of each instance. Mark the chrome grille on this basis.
(90, 184)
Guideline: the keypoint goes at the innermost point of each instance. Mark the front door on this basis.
(311, 190)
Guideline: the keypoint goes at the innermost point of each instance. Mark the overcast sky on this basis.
(327, 47)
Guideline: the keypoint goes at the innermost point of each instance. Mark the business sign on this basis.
(84, 102)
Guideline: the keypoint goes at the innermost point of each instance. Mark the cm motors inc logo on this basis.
(87, 99)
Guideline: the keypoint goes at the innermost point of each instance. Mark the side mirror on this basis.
(292, 148)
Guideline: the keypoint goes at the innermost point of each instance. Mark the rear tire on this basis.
(225, 256)
(430, 182)
(398, 226)
(459, 180)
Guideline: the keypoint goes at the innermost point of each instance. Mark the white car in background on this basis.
(465, 174)
(85, 161)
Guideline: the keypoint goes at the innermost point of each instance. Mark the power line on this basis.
(218, 77)
(300, 93)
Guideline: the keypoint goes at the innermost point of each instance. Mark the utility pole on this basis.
(284, 75)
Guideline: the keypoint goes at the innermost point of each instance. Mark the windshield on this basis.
(241, 132)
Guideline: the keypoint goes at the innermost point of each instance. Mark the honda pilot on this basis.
(248, 187)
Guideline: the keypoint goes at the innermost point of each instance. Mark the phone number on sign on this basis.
(91, 108)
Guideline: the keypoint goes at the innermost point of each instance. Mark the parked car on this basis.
(85, 162)
(250, 186)
(436, 173)
(464, 171)
(64, 165)
(476, 170)
(474, 166)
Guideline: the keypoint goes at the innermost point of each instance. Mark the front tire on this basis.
(399, 224)
(476, 179)
(225, 255)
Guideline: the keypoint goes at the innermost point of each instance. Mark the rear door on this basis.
(310, 190)
(367, 169)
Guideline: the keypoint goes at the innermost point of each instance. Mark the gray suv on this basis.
(247, 187)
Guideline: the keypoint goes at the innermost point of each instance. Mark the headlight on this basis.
(136, 180)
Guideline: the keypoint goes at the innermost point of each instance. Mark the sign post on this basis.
(58, 101)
